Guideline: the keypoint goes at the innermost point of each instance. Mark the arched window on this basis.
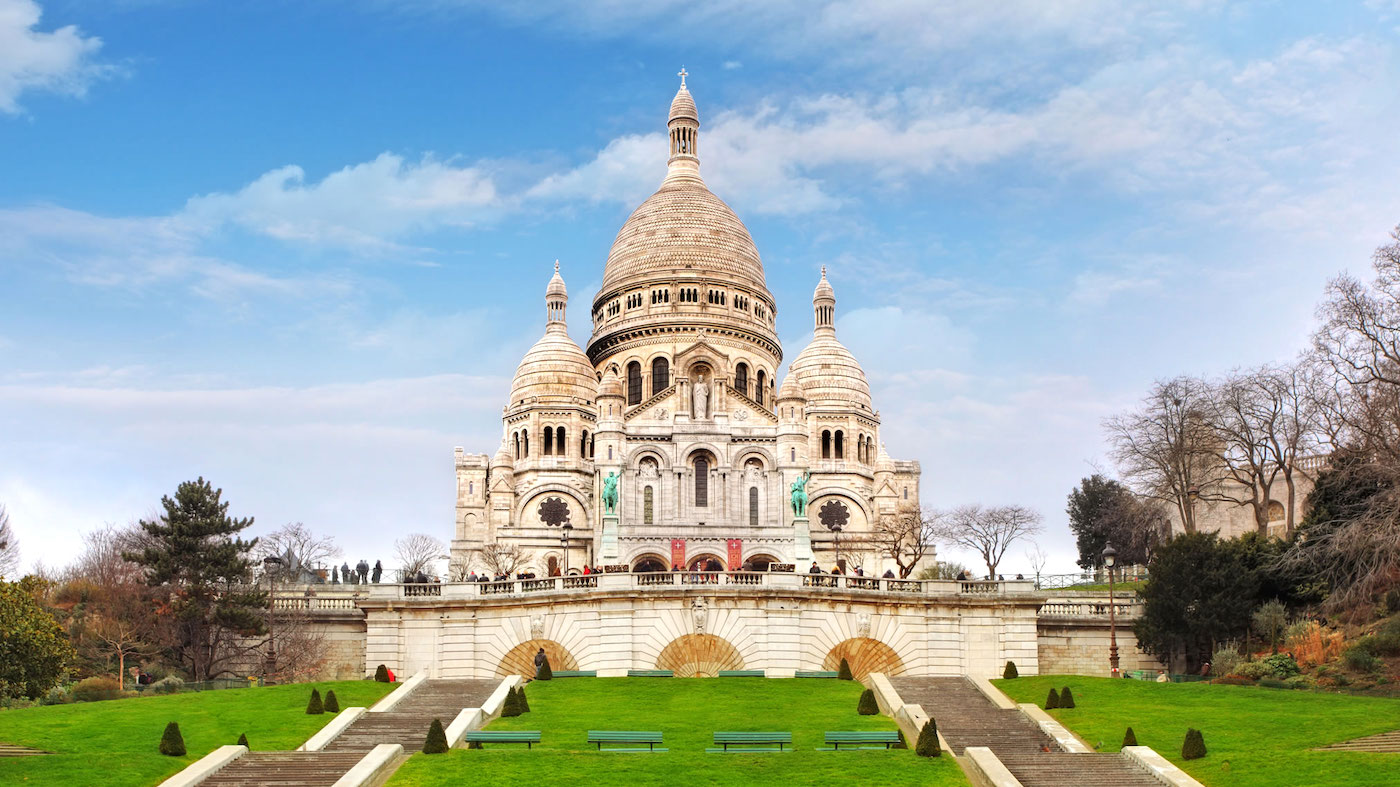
(758, 389)
(840, 444)
(753, 506)
(860, 448)
(648, 505)
(548, 440)
(826, 444)
(794, 454)
(660, 376)
(1276, 512)
(525, 436)
(583, 446)
(702, 482)
(560, 442)
(741, 379)
(870, 449)
(516, 438)
(634, 383)
(592, 443)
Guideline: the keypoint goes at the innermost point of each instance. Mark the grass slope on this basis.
(114, 743)
(1254, 736)
(687, 711)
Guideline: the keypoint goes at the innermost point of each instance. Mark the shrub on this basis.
(381, 673)
(1194, 747)
(1299, 682)
(243, 739)
(1234, 680)
(172, 743)
(1010, 671)
(524, 703)
(96, 689)
(927, 744)
(844, 671)
(1052, 700)
(474, 744)
(437, 739)
(545, 672)
(1273, 683)
(1225, 659)
(867, 705)
(903, 744)
(511, 707)
(170, 684)
(314, 707)
(1129, 739)
(1270, 619)
(1282, 665)
(1356, 658)
(332, 704)
(1380, 644)
(1392, 601)
(1254, 670)
(58, 695)
(1066, 698)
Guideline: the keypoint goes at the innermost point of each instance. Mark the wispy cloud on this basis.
(61, 61)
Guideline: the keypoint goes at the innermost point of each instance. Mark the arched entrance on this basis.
(699, 656)
(650, 563)
(865, 655)
(705, 563)
(520, 660)
(759, 562)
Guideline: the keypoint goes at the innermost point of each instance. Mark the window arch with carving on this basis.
(660, 375)
(634, 383)
(702, 482)
(741, 379)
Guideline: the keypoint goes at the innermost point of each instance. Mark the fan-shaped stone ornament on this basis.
(520, 660)
(865, 656)
(699, 656)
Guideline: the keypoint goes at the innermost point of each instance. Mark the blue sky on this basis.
(299, 248)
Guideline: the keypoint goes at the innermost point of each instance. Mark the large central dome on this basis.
(683, 259)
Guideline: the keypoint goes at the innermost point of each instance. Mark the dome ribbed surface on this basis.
(683, 106)
(830, 375)
(555, 369)
(791, 388)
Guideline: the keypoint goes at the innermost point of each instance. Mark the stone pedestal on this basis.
(610, 551)
(802, 541)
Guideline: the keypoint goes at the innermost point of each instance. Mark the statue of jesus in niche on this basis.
(700, 397)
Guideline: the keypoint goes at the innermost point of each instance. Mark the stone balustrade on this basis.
(1091, 606)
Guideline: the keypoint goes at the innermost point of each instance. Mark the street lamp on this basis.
(564, 540)
(1110, 556)
(270, 666)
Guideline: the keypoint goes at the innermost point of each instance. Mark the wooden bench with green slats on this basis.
(600, 737)
(751, 739)
(741, 673)
(816, 674)
(860, 740)
(575, 673)
(650, 673)
(527, 737)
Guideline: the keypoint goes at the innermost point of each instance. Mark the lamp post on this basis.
(1110, 556)
(270, 665)
(564, 540)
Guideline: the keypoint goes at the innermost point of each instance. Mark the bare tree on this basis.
(1245, 411)
(9, 545)
(418, 552)
(1037, 558)
(311, 549)
(102, 561)
(1165, 449)
(1302, 431)
(988, 531)
(502, 559)
(904, 537)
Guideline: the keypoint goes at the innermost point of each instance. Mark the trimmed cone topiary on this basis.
(314, 707)
(903, 744)
(844, 671)
(545, 672)
(867, 705)
(381, 673)
(1052, 700)
(927, 745)
(243, 739)
(1010, 671)
(474, 744)
(1194, 747)
(524, 703)
(1129, 739)
(1066, 698)
(172, 743)
(332, 704)
(437, 739)
(511, 707)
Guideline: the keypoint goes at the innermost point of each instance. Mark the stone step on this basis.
(276, 769)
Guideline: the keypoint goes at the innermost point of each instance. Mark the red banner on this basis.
(736, 553)
(678, 552)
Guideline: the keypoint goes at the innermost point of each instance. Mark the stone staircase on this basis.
(406, 724)
(967, 718)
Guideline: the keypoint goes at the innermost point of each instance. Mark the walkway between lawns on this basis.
(688, 711)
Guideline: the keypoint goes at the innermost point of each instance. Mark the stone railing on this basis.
(646, 581)
(1092, 606)
(301, 601)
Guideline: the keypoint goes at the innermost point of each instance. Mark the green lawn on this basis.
(1254, 736)
(687, 711)
(114, 743)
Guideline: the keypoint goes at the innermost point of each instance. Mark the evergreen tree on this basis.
(314, 707)
(332, 704)
(520, 697)
(243, 739)
(381, 673)
(192, 552)
(545, 672)
(1199, 591)
(36, 651)
(1010, 671)
(903, 742)
(1129, 739)
(172, 743)
(867, 705)
(1052, 700)
(927, 745)
(437, 739)
(844, 671)
(1066, 698)
(511, 707)
(1194, 747)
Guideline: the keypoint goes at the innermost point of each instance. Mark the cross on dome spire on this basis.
(683, 74)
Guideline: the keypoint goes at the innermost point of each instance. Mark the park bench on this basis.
(634, 737)
(575, 673)
(816, 674)
(527, 737)
(860, 739)
(741, 673)
(751, 739)
(650, 673)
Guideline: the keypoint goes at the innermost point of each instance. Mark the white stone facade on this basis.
(677, 396)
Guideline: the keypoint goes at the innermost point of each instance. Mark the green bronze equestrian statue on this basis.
(799, 495)
(610, 493)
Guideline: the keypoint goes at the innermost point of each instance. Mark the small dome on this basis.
(502, 457)
(554, 370)
(830, 375)
(824, 290)
(791, 388)
(611, 385)
(883, 462)
(556, 287)
(683, 106)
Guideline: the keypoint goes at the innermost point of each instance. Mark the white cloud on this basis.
(30, 59)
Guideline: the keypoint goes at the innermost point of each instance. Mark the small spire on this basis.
(556, 267)
(683, 74)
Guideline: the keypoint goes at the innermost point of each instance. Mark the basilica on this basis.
(668, 440)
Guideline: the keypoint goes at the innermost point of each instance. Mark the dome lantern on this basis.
(556, 299)
(684, 125)
(824, 307)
